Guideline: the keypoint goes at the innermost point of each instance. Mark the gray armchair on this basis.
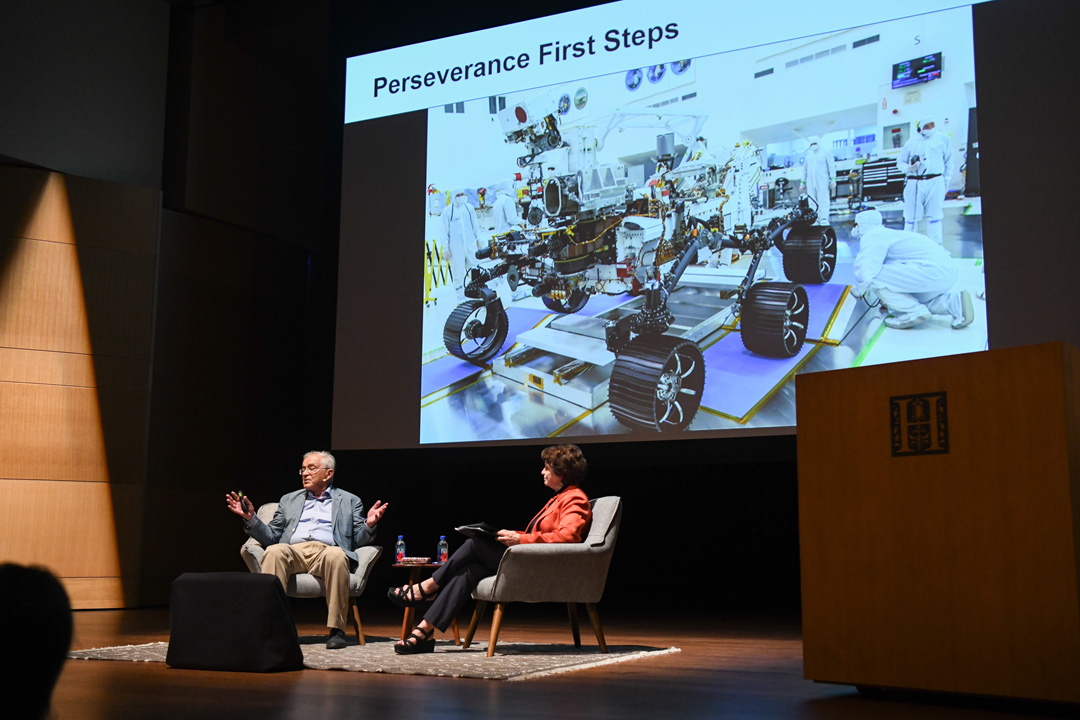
(570, 573)
(305, 585)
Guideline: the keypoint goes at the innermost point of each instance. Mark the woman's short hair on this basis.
(567, 461)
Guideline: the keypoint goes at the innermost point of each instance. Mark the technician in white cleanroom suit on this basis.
(927, 161)
(505, 209)
(912, 274)
(460, 230)
(818, 173)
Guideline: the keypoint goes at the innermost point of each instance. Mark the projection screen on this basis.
(634, 222)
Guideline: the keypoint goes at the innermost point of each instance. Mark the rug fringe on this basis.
(73, 654)
(598, 663)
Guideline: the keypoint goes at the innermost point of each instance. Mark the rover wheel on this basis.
(774, 317)
(810, 254)
(465, 336)
(656, 383)
(569, 303)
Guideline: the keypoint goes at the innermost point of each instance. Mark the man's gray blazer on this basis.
(349, 523)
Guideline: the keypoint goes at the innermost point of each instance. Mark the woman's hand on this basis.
(509, 538)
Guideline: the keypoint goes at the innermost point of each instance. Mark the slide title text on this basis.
(548, 52)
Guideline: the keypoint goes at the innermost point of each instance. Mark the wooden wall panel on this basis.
(74, 210)
(93, 593)
(77, 278)
(81, 521)
(42, 367)
(118, 288)
(98, 521)
(1071, 365)
(51, 432)
(67, 298)
(54, 432)
(123, 420)
(954, 571)
(41, 297)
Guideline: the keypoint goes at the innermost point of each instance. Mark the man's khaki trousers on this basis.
(326, 561)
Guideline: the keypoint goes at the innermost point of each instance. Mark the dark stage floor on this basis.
(729, 668)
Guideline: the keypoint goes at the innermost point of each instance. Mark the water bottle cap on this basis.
(400, 537)
(442, 537)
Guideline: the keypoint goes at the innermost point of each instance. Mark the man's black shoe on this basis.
(336, 641)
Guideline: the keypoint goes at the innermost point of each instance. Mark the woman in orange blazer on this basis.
(563, 519)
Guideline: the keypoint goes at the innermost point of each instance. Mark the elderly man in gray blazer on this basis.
(315, 530)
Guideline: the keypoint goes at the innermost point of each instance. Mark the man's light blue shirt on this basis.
(316, 520)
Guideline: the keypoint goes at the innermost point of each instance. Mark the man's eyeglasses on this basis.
(311, 469)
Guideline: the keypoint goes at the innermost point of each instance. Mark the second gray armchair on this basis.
(568, 573)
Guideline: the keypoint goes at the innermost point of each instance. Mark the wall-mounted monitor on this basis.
(568, 228)
(917, 70)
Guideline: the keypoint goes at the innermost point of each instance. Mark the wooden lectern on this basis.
(939, 522)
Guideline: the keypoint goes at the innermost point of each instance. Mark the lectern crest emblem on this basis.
(920, 424)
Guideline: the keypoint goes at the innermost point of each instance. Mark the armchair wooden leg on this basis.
(595, 617)
(359, 627)
(572, 609)
(478, 613)
(496, 623)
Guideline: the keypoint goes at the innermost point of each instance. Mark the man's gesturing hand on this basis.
(240, 505)
(374, 515)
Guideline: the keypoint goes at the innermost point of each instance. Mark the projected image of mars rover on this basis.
(591, 233)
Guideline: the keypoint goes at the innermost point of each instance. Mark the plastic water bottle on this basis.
(399, 549)
(443, 551)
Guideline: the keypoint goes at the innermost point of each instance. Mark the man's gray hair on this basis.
(328, 460)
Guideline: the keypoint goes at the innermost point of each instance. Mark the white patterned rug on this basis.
(512, 661)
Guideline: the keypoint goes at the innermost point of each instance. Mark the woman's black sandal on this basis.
(418, 642)
(406, 597)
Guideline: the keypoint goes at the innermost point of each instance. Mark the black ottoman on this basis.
(231, 621)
